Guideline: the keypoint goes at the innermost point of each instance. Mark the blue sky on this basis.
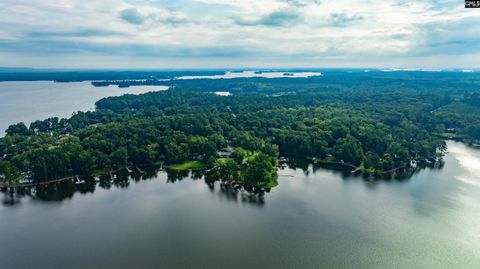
(238, 33)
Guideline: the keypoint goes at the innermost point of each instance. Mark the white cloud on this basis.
(275, 31)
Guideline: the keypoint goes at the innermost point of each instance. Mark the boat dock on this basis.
(139, 170)
(78, 181)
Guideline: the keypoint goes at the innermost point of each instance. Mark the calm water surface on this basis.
(256, 74)
(316, 219)
(27, 101)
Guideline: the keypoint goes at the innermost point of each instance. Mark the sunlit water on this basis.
(316, 219)
(27, 101)
(223, 93)
(254, 74)
(470, 163)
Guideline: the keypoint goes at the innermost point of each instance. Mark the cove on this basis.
(319, 218)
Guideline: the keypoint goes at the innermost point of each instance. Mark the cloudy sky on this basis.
(238, 33)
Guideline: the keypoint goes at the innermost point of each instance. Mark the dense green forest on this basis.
(26, 74)
(376, 122)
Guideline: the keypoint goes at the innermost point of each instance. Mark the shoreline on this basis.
(355, 169)
(16, 185)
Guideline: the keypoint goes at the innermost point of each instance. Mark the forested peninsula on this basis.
(372, 124)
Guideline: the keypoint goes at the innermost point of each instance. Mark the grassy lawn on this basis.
(222, 160)
(190, 165)
(270, 184)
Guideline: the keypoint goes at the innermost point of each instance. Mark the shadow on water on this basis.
(242, 194)
(400, 175)
(64, 190)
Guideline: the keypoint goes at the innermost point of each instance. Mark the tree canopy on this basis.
(378, 123)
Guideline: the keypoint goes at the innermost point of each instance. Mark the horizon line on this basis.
(411, 69)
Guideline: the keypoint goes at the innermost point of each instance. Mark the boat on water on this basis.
(413, 164)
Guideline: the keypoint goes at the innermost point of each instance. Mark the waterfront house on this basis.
(226, 152)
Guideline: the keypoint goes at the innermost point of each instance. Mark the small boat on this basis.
(413, 163)
(97, 179)
(284, 165)
(128, 169)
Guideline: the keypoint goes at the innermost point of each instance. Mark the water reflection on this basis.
(65, 190)
(60, 191)
(468, 158)
(428, 221)
(404, 174)
(243, 194)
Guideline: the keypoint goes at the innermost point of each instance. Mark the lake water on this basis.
(27, 101)
(223, 93)
(256, 74)
(316, 219)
